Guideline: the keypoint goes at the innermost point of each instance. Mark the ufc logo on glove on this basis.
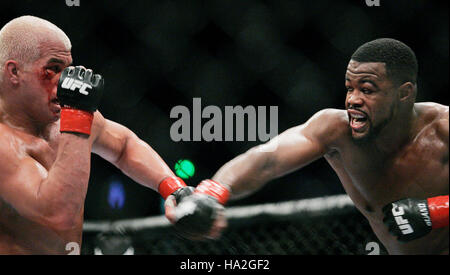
(72, 84)
(402, 223)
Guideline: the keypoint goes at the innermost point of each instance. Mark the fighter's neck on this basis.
(398, 133)
(21, 121)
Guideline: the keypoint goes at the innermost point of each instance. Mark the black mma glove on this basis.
(196, 214)
(410, 219)
(79, 93)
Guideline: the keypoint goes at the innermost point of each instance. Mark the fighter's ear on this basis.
(12, 71)
(406, 91)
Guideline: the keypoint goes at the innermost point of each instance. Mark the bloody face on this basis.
(40, 81)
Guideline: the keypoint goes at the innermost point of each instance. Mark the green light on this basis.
(184, 168)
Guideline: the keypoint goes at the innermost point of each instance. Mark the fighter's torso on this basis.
(19, 235)
(419, 169)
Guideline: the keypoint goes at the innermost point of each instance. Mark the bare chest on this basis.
(42, 150)
(419, 170)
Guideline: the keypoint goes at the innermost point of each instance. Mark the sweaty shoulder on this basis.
(329, 126)
(10, 150)
(435, 115)
(6, 134)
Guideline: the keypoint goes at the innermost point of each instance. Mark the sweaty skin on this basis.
(399, 149)
(44, 174)
(24, 232)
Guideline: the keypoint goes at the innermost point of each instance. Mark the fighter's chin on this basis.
(54, 116)
(360, 132)
(360, 136)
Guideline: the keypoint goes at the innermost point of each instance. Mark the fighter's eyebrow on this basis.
(365, 79)
(56, 60)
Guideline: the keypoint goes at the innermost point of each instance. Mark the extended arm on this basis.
(134, 157)
(285, 153)
(201, 216)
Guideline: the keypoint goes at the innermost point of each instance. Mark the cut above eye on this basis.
(55, 69)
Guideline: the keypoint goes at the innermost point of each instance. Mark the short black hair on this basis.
(400, 60)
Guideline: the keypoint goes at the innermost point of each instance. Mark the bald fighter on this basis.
(390, 153)
(49, 125)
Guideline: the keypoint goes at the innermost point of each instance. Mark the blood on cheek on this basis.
(48, 81)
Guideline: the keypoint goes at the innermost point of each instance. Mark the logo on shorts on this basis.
(403, 224)
(72, 84)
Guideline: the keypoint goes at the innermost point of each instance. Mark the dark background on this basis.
(155, 55)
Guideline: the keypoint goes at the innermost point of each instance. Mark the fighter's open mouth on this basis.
(358, 120)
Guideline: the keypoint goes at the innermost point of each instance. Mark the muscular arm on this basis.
(289, 151)
(135, 158)
(52, 198)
